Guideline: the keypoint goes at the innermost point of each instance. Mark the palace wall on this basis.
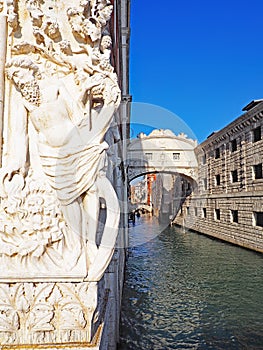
(64, 116)
(227, 200)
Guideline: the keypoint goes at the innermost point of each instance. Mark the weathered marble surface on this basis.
(60, 93)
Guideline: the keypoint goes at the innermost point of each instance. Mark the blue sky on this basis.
(201, 60)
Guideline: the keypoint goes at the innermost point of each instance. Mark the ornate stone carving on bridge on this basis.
(161, 151)
(61, 93)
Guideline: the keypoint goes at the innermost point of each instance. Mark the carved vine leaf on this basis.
(9, 319)
(72, 313)
(41, 310)
(40, 317)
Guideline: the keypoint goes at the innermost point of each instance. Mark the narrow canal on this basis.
(187, 291)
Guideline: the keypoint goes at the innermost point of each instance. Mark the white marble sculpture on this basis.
(61, 93)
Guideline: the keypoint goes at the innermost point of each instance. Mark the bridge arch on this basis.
(170, 156)
(161, 151)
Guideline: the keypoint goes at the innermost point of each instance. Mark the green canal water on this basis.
(186, 291)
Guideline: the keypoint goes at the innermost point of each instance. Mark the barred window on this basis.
(217, 153)
(217, 214)
(233, 145)
(234, 216)
(257, 134)
(257, 171)
(234, 176)
(258, 219)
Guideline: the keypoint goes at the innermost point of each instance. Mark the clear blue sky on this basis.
(200, 59)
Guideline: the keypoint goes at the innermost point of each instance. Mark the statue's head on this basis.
(24, 73)
(105, 42)
(21, 70)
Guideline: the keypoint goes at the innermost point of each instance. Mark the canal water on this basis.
(186, 291)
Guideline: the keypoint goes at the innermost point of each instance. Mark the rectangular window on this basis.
(196, 213)
(205, 183)
(204, 159)
(204, 212)
(257, 134)
(149, 156)
(162, 156)
(258, 219)
(234, 176)
(234, 216)
(176, 156)
(217, 180)
(217, 214)
(257, 171)
(217, 153)
(233, 145)
(187, 210)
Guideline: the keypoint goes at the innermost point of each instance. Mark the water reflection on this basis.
(187, 291)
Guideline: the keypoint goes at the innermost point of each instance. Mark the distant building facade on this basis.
(138, 192)
(227, 202)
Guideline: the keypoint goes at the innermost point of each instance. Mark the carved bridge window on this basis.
(149, 156)
(176, 156)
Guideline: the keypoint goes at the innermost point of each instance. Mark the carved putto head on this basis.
(105, 43)
(92, 29)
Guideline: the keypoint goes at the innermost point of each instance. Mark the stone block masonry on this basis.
(227, 200)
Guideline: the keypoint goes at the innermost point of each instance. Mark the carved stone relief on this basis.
(62, 95)
(41, 313)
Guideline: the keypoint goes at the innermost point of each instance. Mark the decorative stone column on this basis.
(62, 96)
(3, 26)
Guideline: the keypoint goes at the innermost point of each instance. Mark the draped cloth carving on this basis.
(61, 95)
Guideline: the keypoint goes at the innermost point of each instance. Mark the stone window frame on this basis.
(149, 155)
(257, 171)
(217, 153)
(217, 180)
(217, 214)
(176, 155)
(234, 176)
(234, 216)
(257, 219)
(256, 134)
(205, 183)
(233, 144)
